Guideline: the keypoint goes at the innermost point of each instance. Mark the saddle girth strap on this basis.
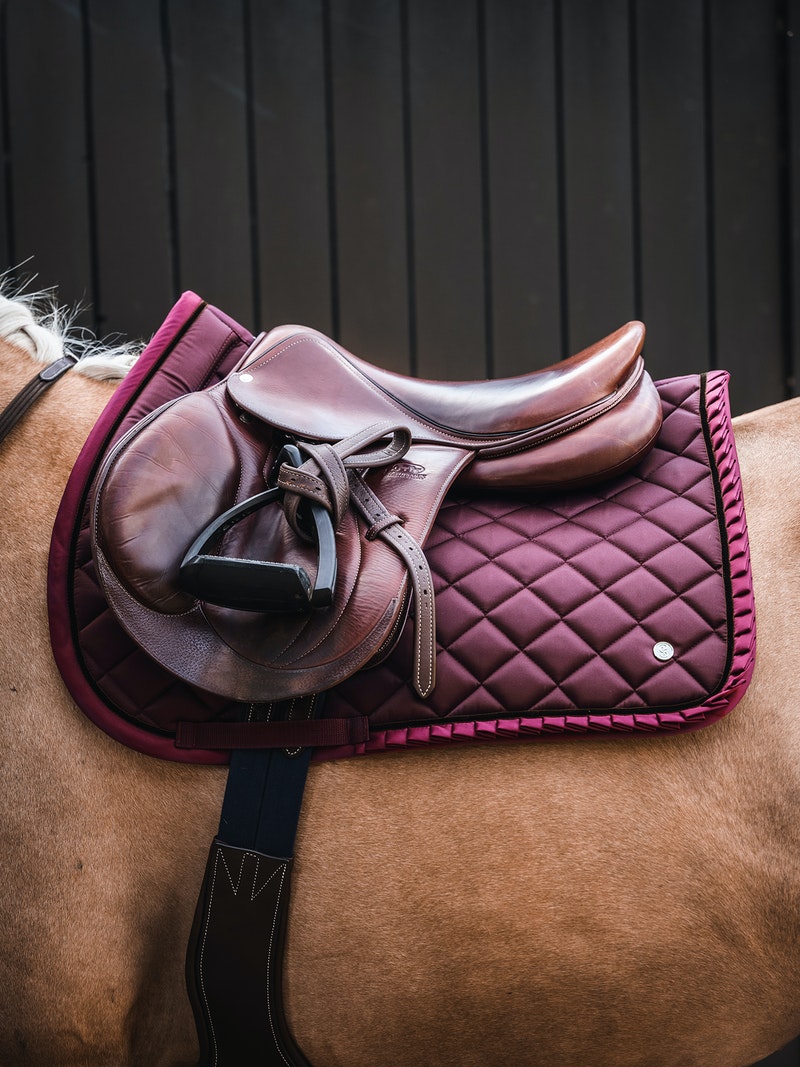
(234, 962)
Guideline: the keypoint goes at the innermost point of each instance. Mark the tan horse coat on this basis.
(621, 902)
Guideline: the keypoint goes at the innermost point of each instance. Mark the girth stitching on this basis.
(203, 949)
(284, 868)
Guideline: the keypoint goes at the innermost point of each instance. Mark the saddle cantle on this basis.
(379, 453)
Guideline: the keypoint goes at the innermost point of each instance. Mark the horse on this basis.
(625, 901)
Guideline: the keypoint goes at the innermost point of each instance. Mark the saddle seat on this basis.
(303, 423)
(515, 413)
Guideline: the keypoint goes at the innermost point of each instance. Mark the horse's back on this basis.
(607, 902)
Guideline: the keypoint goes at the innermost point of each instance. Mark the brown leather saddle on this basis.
(261, 539)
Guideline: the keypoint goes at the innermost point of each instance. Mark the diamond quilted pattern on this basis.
(563, 617)
(600, 613)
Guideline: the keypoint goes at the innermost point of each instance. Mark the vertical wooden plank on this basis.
(48, 134)
(291, 152)
(792, 187)
(132, 203)
(371, 229)
(748, 294)
(206, 41)
(523, 185)
(447, 193)
(673, 189)
(598, 163)
(6, 202)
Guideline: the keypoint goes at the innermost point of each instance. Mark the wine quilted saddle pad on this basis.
(625, 608)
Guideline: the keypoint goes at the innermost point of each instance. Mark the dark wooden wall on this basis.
(453, 187)
(458, 188)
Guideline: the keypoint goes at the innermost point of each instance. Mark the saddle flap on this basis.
(192, 461)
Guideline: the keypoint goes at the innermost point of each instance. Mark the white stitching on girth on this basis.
(284, 868)
(254, 893)
(202, 953)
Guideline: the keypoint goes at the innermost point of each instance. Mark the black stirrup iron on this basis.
(261, 585)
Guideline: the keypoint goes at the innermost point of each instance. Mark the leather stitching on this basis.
(201, 970)
(270, 951)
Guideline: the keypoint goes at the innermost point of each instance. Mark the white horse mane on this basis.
(37, 323)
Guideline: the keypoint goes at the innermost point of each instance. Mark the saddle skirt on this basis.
(624, 606)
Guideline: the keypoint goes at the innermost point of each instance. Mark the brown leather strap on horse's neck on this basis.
(30, 393)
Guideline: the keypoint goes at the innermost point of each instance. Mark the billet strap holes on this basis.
(390, 529)
(380, 524)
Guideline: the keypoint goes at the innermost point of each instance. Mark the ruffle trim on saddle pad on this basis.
(549, 612)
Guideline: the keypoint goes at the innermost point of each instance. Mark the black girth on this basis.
(234, 963)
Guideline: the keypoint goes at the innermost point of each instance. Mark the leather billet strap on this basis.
(333, 475)
(390, 529)
(317, 733)
(323, 479)
(30, 392)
